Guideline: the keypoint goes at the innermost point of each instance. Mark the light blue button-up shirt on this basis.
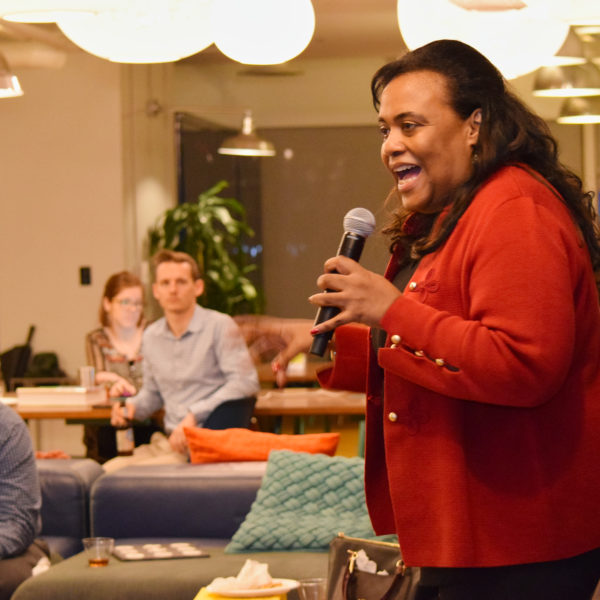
(196, 372)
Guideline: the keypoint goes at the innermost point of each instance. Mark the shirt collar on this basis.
(194, 326)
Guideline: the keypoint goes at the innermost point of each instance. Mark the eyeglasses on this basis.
(125, 302)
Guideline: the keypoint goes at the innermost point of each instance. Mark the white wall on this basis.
(61, 203)
(326, 93)
(85, 170)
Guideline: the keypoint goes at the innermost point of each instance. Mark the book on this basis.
(61, 395)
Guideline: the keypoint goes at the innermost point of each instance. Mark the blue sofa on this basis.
(203, 502)
(66, 485)
(143, 504)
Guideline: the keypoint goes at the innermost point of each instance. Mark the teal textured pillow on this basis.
(303, 502)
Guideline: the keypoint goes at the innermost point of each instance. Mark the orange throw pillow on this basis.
(237, 444)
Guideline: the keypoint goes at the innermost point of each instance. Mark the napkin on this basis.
(252, 576)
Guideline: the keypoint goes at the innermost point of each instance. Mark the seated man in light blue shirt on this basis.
(194, 358)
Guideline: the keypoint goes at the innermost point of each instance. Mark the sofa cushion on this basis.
(303, 502)
(65, 486)
(178, 500)
(207, 445)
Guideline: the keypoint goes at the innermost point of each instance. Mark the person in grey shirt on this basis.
(194, 358)
(20, 504)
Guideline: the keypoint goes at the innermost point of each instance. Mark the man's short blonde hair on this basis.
(163, 256)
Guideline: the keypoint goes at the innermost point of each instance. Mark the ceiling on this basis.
(344, 29)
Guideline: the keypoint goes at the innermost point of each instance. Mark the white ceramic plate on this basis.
(280, 586)
(8, 401)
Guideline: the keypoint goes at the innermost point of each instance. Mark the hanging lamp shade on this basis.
(580, 111)
(262, 32)
(143, 31)
(9, 84)
(570, 53)
(246, 143)
(504, 37)
(566, 82)
(45, 11)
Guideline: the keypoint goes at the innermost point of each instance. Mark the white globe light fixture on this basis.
(143, 31)
(262, 32)
(516, 41)
(45, 11)
(581, 12)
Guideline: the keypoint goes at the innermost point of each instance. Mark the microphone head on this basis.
(359, 221)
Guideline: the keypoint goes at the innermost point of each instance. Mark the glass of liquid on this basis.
(98, 550)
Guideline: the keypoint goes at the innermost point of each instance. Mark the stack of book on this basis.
(61, 395)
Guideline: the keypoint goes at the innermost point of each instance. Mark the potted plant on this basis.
(211, 230)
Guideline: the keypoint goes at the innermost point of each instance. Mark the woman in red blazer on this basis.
(481, 353)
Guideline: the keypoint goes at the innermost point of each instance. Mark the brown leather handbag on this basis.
(346, 582)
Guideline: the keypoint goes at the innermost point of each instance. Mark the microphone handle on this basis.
(321, 340)
(351, 246)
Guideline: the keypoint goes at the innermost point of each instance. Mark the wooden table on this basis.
(285, 402)
(288, 402)
(308, 401)
(300, 403)
(69, 413)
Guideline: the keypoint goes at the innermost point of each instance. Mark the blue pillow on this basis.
(303, 502)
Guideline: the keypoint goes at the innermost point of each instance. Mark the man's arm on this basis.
(237, 367)
(20, 496)
(146, 402)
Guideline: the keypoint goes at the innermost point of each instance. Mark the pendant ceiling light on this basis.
(572, 52)
(580, 111)
(262, 32)
(9, 84)
(246, 143)
(567, 82)
(504, 37)
(143, 31)
(43, 11)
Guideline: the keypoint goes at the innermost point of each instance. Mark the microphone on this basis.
(359, 224)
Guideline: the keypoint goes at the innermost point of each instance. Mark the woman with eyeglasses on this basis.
(114, 350)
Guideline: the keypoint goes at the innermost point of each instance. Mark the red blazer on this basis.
(485, 449)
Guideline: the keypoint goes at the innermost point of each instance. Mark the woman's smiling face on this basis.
(426, 145)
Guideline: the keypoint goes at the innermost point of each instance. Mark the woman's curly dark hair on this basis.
(509, 133)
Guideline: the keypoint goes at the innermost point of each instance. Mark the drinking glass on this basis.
(313, 589)
(98, 550)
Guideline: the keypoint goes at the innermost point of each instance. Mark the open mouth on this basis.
(406, 176)
(408, 172)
